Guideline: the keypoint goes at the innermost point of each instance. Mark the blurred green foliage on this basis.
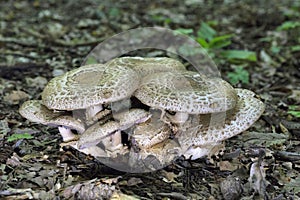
(288, 25)
(18, 136)
(215, 43)
(238, 75)
(294, 110)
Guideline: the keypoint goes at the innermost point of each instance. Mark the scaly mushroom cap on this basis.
(187, 92)
(145, 66)
(149, 134)
(165, 152)
(221, 126)
(96, 133)
(90, 85)
(34, 111)
(131, 117)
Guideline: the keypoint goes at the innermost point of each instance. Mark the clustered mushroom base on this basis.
(170, 111)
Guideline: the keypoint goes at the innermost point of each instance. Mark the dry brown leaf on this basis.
(134, 181)
(227, 166)
(169, 177)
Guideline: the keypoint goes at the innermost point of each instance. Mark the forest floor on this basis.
(42, 39)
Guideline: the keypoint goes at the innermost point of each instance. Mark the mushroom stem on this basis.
(116, 139)
(66, 133)
(179, 117)
(92, 111)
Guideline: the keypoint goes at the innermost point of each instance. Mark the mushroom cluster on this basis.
(143, 107)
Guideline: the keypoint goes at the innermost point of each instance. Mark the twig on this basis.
(16, 53)
(16, 41)
(289, 156)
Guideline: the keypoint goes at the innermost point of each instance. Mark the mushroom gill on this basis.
(35, 111)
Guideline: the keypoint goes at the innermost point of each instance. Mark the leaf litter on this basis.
(30, 55)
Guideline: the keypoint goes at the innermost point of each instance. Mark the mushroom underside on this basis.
(216, 128)
(35, 111)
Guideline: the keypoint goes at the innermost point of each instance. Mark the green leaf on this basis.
(114, 12)
(239, 74)
(295, 48)
(18, 136)
(294, 110)
(235, 55)
(184, 31)
(206, 32)
(220, 41)
(91, 60)
(288, 25)
(275, 49)
(294, 113)
(203, 43)
(167, 20)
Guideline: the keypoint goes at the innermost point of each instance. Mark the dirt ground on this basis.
(43, 39)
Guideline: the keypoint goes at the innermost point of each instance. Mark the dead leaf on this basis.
(92, 189)
(13, 161)
(110, 181)
(262, 139)
(257, 178)
(117, 195)
(134, 181)
(227, 166)
(295, 96)
(4, 128)
(37, 82)
(293, 186)
(169, 177)
(15, 97)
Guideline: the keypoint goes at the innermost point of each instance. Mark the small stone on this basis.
(58, 72)
(288, 165)
(231, 188)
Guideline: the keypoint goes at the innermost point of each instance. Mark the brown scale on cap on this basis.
(89, 87)
(146, 66)
(186, 92)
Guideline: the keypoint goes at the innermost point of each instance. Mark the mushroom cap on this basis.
(97, 132)
(146, 135)
(247, 110)
(165, 152)
(131, 117)
(90, 85)
(187, 92)
(145, 66)
(35, 111)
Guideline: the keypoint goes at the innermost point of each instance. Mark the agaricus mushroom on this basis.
(146, 135)
(34, 111)
(110, 132)
(186, 92)
(98, 133)
(89, 87)
(131, 117)
(199, 141)
(145, 66)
